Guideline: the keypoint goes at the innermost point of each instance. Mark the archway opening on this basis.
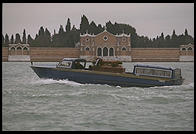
(25, 51)
(183, 49)
(19, 51)
(99, 52)
(111, 52)
(105, 51)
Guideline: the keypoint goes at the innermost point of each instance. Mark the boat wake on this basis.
(51, 81)
(72, 83)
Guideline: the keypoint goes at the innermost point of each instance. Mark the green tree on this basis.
(186, 32)
(109, 27)
(93, 28)
(99, 29)
(61, 30)
(3, 40)
(84, 25)
(68, 26)
(167, 41)
(6, 40)
(41, 31)
(17, 38)
(47, 37)
(12, 39)
(29, 39)
(174, 39)
(24, 40)
(187, 38)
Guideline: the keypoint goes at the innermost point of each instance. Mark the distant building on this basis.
(105, 45)
(187, 52)
(18, 52)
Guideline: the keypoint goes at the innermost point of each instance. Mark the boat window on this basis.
(152, 72)
(66, 64)
(167, 73)
(147, 71)
(159, 72)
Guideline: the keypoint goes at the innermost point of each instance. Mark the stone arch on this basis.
(124, 49)
(12, 50)
(190, 49)
(111, 52)
(183, 49)
(105, 51)
(25, 48)
(99, 52)
(87, 49)
(25, 51)
(19, 50)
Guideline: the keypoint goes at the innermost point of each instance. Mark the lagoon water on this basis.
(30, 103)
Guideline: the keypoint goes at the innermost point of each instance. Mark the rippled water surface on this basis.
(30, 103)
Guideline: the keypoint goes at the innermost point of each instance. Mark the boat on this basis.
(110, 73)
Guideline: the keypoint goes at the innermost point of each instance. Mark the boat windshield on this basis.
(65, 64)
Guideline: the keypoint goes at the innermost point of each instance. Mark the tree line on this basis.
(69, 36)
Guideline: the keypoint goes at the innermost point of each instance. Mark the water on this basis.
(30, 103)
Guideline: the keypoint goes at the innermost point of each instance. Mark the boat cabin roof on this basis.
(74, 59)
(154, 67)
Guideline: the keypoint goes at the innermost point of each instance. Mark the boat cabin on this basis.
(97, 65)
(154, 71)
(73, 63)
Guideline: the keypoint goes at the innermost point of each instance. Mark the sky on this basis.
(149, 19)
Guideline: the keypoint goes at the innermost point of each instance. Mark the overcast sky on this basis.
(149, 19)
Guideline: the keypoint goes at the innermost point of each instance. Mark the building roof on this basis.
(92, 35)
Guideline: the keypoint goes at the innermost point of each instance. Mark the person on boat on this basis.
(78, 65)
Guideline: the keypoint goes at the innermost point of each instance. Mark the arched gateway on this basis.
(18, 52)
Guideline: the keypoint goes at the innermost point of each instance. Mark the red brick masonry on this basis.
(137, 54)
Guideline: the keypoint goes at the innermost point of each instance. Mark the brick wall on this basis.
(53, 54)
(155, 54)
(138, 54)
(4, 54)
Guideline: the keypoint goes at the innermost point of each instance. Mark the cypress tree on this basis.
(93, 28)
(47, 37)
(41, 31)
(29, 39)
(110, 27)
(6, 40)
(68, 26)
(167, 41)
(3, 40)
(24, 40)
(174, 39)
(99, 28)
(12, 39)
(61, 30)
(84, 25)
(17, 38)
(186, 32)
(73, 28)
